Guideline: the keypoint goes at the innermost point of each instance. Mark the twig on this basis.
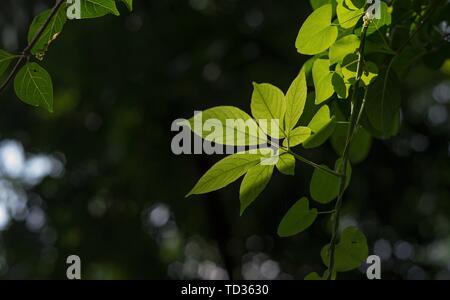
(356, 109)
(26, 53)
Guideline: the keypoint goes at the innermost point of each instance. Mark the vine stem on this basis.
(313, 164)
(355, 113)
(26, 53)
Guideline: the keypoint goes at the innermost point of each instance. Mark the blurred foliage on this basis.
(113, 193)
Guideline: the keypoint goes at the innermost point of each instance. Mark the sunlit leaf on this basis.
(286, 163)
(254, 182)
(344, 46)
(269, 104)
(317, 33)
(225, 172)
(322, 77)
(297, 219)
(346, 16)
(295, 101)
(297, 136)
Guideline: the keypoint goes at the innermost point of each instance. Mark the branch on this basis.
(356, 110)
(313, 164)
(26, 53)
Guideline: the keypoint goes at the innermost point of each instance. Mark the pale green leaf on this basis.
(269, 105)
(322, 77)
(355, 4)
(286, 163)
(225, 172)
(295, 101)
(33, 85)
(254, 182)
(297, 136)
(322, 125)
(320, 119)
(227, 125)
(344, 46)
(297, 219)
(351, 251)
(317, 33)
(348, 18)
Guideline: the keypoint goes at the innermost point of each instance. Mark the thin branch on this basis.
(313, 164)
(26, 53)
(356, 109)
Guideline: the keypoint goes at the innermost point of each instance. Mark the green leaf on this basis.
(297, 219)
(97, 8)
(383, 105)
(350, 66)
(5, 60)
(313, 276)
(50, 33)
(344, 46)
(318, 3)
(227, 125)
(355, 4)
(348, 18)
(286, 163)
(129, 4)
(324, 187)
(360, 146)
(320, 119)
(322, 125)
(322, 77)
(255, 181)
(350, 253)
(340, 87)
(317, 33)
(297, 136)
(269, 104)
(33, 85)
(385, 19)
(225, 172)
(295, 101)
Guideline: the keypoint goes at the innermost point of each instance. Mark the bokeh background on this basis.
(97, 178)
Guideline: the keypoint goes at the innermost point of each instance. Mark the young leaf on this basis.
(254, 182)
(297, 136)
(226, 171)
(324, 186)
(295, 101)
(320, 119)
(50, 33)
(351, 251)
(318, 3)
(129, 4)
(97, 8)
(344, 46)
(286, 163)
(383, 104)
(228, 125)
(348, 18)
(269, 104)
(317, 33)
(322, 80)
(5, 60)
(33, 85)
(297, 219)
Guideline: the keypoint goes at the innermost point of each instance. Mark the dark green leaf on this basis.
(33, 85)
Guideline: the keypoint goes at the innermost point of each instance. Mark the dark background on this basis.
(97, 178)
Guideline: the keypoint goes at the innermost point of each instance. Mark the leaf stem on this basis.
(313, 164)
(26, 53)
